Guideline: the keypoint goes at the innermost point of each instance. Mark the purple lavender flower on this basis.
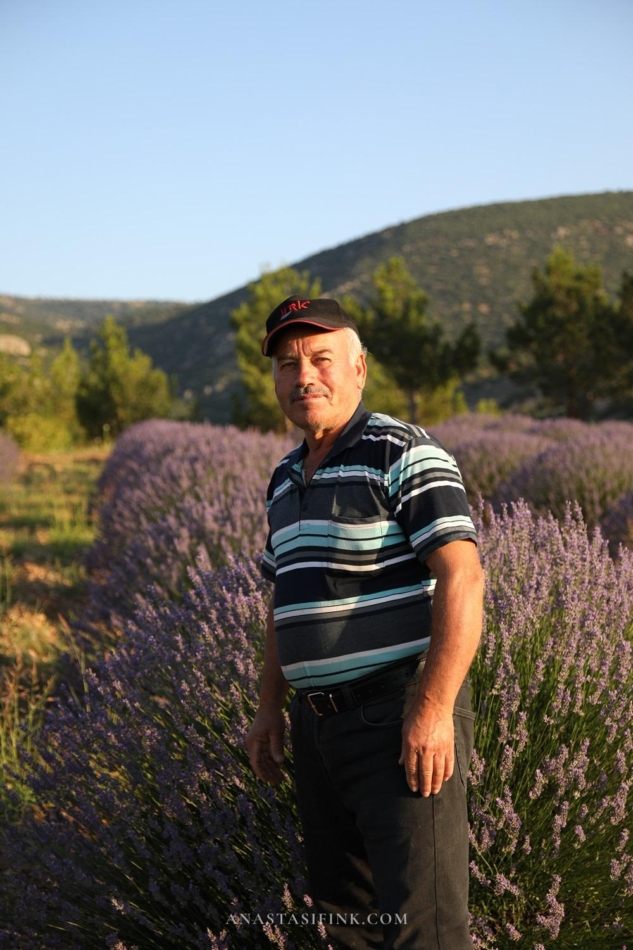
(553, 768)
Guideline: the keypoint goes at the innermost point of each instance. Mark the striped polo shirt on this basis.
(347, 551)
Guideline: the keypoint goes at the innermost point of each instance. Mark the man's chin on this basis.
(307, 417)
(311, 426)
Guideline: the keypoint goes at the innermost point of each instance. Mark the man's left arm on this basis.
(428, 739)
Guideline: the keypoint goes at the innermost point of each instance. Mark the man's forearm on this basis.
(274, 686)
(265, 738)
(427, 751)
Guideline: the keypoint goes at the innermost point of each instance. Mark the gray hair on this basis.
(355, 345)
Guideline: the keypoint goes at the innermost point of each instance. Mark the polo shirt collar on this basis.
(348, 437)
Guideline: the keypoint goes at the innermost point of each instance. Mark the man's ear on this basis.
(361, 371)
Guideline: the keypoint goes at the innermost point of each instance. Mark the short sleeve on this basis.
(268, 564)
(427, 496)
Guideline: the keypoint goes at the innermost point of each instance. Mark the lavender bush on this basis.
(9, 458)
(152, 832)
(548, 463)
(491, 457)
(452, 432)
(553, 767)
(562, 429)
(617, 523)
(175, 495)
(594, 470)
(488, 449)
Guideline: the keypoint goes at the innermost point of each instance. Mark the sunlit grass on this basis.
(46, 525)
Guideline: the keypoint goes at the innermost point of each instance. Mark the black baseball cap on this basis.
(319, 312)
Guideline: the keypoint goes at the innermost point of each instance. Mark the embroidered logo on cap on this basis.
(294, 306)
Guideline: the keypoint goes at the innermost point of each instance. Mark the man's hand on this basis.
(428, 747)
(265, 744)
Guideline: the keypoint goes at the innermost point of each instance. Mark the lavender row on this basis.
(178, 495)
(175, 496)
(553, 766)
(153, 833)
(548, 463)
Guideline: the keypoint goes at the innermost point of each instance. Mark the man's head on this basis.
(319, 370)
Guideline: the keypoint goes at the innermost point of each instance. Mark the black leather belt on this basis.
(335, 699)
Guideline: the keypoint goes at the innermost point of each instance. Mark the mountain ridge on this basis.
(474, 263)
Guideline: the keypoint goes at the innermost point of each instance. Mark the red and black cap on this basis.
(319, 312)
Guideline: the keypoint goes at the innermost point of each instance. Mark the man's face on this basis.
(317, 384)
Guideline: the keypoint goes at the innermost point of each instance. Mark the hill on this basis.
(47, 320)
(474, 263)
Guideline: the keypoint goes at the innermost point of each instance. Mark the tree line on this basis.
(70, 403)
(570, 342)
(411, 363)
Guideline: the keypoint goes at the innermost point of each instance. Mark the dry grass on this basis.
(45, 527)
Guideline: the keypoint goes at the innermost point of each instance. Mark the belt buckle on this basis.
(320, 693)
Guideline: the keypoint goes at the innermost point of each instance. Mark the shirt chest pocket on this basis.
(359, 547)
(361, 527)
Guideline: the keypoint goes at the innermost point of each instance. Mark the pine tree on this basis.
(259, 407)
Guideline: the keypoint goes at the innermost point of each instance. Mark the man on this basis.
(369, 526)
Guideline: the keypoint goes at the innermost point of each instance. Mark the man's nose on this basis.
(305, 372)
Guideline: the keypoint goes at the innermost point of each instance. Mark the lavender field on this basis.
(142, 824)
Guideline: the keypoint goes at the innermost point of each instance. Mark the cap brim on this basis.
(289, 323)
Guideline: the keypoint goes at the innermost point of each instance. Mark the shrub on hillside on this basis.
(37, 406)
(39, 433)
(119, 387)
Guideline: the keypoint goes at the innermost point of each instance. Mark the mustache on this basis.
(299, 391)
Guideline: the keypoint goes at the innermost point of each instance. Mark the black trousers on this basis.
(387, 867)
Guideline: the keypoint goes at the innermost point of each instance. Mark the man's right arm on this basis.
(265, 739)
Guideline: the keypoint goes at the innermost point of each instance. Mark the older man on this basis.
(375, 619)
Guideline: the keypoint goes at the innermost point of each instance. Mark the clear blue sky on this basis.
(168, 149)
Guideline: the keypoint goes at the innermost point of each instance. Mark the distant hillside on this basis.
(48, 320)
(474, 263)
